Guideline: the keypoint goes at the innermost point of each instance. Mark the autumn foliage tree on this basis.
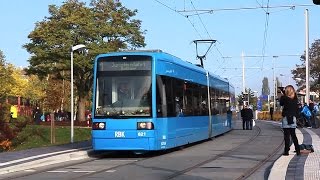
(314, 61)
(6, 82)
(265, 86)
(14, 83)
(103, 26)
(5, 78)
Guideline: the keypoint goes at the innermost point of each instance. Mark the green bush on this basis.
(35, 134)
(6, 132)
(21, 122)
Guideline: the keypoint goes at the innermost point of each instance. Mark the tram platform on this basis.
(306, 166)
(255, 154)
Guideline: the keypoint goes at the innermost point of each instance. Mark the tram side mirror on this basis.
(317, 2)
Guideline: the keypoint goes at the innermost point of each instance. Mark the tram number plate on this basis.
(119, 134)
(140, 134)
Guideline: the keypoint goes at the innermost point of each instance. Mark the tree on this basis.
(2, 58)
(6, 79)
(244, 97)
(54, 96)
(251, 96)
(314, 60)
(265, 87)
(35, 89)
(20, 82)
(103, 27)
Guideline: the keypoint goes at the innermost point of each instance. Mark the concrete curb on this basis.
(53, 159)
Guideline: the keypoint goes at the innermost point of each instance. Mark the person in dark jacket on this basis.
(247, 115)
(271, 113)
(37, 115)
(289, 101)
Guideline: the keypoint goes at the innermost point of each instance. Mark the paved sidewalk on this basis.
(304, 167)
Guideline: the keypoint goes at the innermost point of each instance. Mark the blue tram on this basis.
(151, 100)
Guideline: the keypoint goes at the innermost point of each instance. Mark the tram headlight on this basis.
(145, 125)
(98, 125)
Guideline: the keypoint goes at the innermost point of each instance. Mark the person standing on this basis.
(244, 123)
(289, 101)
(271, 113)
(37, 115)
(247, 115)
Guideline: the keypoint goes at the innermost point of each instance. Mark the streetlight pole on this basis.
(256, 110)
(243, 76)
(73, 48)
(274, 83)
(307, 58)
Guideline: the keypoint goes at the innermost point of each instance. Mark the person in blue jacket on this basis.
(307, 114)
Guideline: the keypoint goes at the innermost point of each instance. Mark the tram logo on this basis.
(119, 134)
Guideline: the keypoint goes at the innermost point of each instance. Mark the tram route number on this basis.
(141, 134)
(119, 134)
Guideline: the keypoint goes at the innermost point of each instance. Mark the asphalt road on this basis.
(239, 154)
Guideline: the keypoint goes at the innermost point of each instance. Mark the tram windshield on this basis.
(123, 87)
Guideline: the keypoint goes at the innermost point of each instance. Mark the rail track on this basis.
(129, 160)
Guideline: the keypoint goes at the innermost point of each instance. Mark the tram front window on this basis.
(123, 88)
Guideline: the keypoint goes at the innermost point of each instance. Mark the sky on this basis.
(262, 38)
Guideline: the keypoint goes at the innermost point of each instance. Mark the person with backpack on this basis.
(307, 114)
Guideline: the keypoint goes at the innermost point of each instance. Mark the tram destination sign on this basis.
(124, 65)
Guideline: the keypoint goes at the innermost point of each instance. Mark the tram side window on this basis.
(188, 99)
(175, 97)
(194, 96)
(161, 103)
(165, 100)
(220, 101)
(179, 97)
(214, 101)
(196, 100)
(226, 102)
(203, 101)
(169, 97)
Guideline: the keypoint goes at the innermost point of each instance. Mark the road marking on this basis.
(124, 160)
(57, 171)
(111, 171)
(279, 168)
(29, 170)
(83, 171)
